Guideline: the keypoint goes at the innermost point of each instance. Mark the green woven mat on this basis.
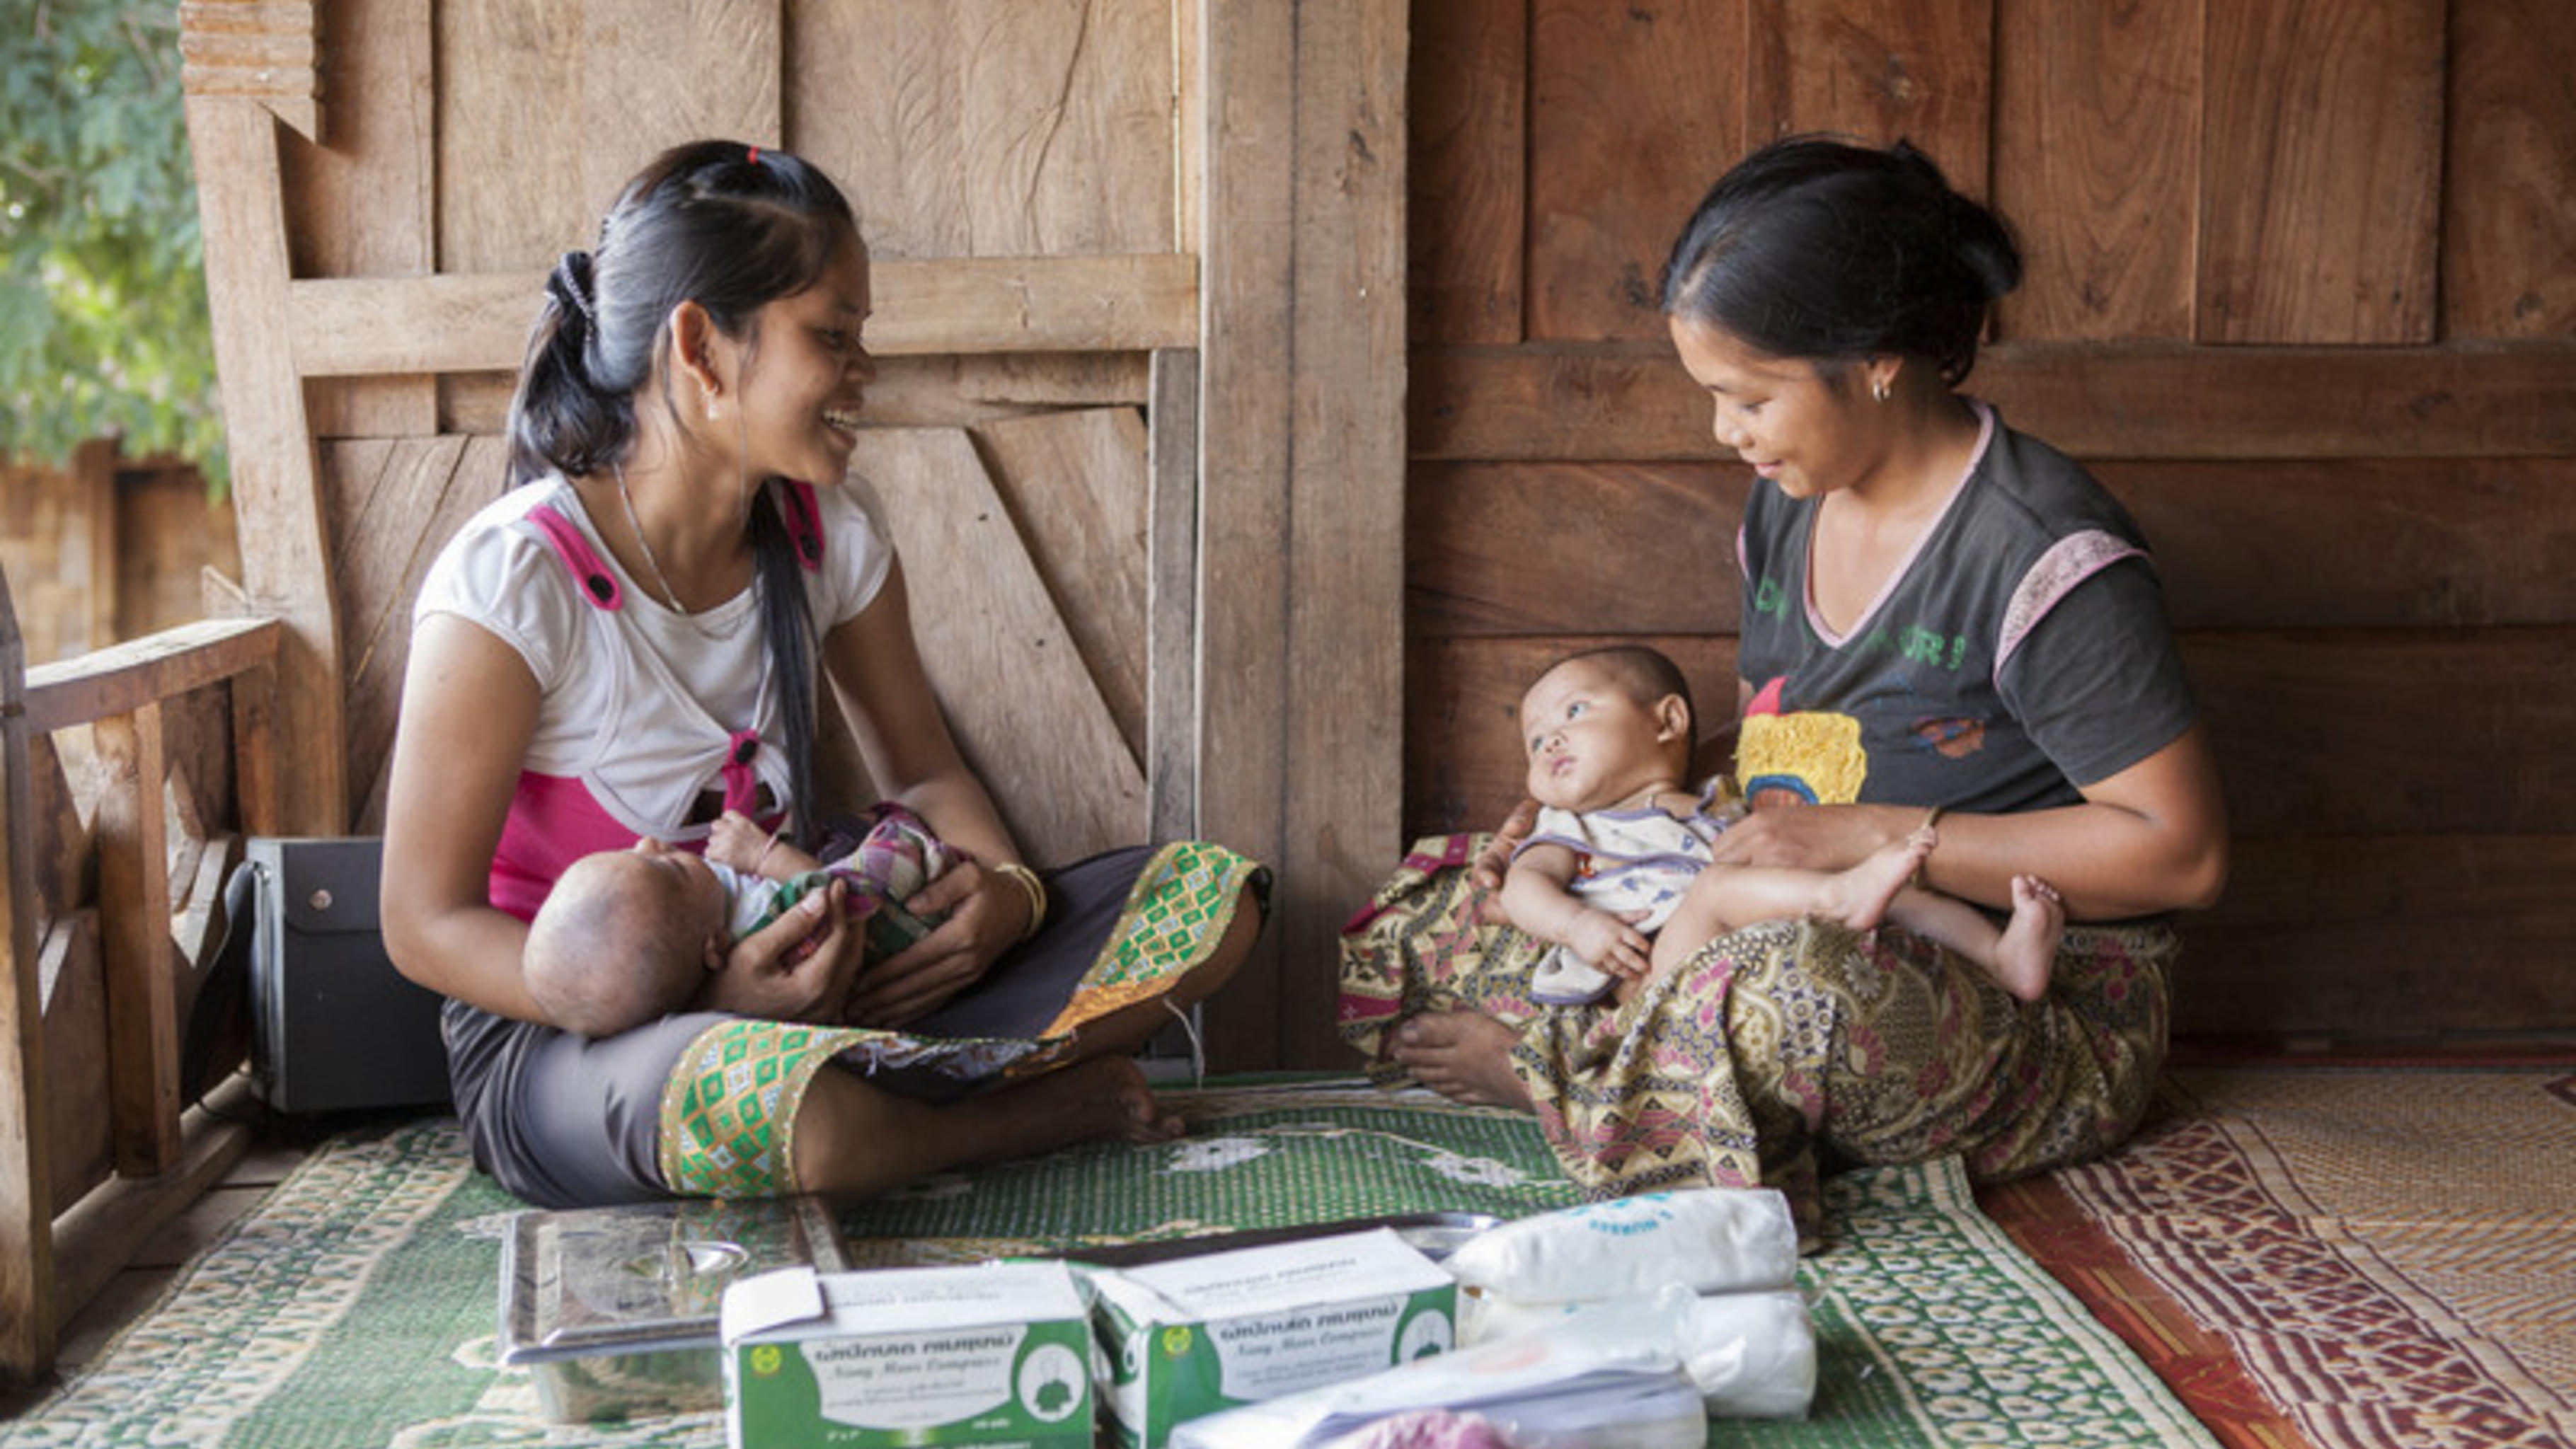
(358, 1304)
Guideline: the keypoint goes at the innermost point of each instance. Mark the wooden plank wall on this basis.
(2298, 291)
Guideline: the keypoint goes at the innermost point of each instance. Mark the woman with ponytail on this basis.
(633, 640)
(1945, 623)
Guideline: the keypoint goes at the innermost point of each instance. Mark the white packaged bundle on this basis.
(1752, 1355)
(1601, 1378)
(1708, 1239)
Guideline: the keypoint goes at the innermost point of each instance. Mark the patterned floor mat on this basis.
(2344, 1258)
(357, 1306)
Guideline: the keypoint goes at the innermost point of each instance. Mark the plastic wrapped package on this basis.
(1709, 1240)
(1599, 1378)
(1751, 1355)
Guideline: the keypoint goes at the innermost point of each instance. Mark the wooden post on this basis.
(26, 1162)
(277, 492)
(134, 917)
(1302, 515)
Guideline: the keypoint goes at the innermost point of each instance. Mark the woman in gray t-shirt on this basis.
(1942, 618)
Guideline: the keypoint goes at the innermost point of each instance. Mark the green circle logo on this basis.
(766, 1359)
(1176, 1341)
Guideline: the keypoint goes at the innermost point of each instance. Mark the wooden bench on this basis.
(130, 776)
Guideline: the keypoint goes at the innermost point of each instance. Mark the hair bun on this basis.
(569, 286)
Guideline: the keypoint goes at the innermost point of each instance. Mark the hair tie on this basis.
(755, 155)
(569, 285)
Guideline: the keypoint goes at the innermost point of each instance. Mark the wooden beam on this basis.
(286, 567)
(158, 666)
(263, 51)
(134, 914)
(1247, 422)
(362, 326)
(26, 1155)
(1632, 402)
(1301, 518)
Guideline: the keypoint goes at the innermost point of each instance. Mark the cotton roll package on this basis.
(1730, 1255)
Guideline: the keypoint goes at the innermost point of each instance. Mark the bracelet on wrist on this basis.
(1029, 884)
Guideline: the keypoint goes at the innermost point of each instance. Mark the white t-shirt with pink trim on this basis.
(638, 705)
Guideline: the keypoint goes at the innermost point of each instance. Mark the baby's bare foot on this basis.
(1858, 897)
(2026, 954)
(1465, 1056)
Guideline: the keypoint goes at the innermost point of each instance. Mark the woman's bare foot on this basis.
(1465, 1056)
(1858, 897)
(2027, 951)
(1115, 1095)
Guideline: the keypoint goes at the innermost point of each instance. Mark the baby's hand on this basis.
(1608, 943)
(735, 842)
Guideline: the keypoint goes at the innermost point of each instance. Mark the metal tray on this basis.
(614, 1310)
(1433, 1234)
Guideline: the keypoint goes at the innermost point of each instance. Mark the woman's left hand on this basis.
(987, 913)
(1812, 837)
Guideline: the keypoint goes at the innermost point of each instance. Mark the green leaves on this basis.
(103, 304)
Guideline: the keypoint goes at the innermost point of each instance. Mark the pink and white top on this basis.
(641, 710)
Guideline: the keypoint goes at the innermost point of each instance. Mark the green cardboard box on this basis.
(1196, 1335)
(991, 1355)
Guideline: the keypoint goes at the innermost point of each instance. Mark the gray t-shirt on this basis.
(2020, 654)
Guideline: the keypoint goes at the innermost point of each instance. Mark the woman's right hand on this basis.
(797, 968)
(1485, 872)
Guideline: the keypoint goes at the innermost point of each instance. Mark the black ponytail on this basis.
(1816, 248)
(786, 622)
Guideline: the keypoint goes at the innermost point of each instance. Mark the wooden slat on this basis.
(1076, 484)
(659, 73)
(392, 505)
(2478, 542)
(1879, 70)
(2143, 400)
(2407, 935)
(2096, 144)
(2321, 171)
(1468, 100)
(2509, 184)
(1247, 426)
(2470, 544)
(875, 99)
(2432, 731)
(127, 677)
(77, 1050)
(1343, 655)
(285, 565)
(989, 128)
(1610, 184)
(26, 1168)
(508, 128)
(1561, 548)
(1463, 761)
(365, 326)
(1005, 668)
(134, 913)
(363, 206)
(1172, 682)
(1067, 113)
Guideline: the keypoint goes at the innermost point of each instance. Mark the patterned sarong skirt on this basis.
(1781, 1051)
